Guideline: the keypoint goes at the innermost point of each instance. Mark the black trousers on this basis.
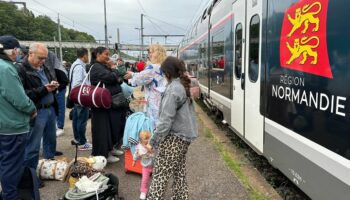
(107, 127)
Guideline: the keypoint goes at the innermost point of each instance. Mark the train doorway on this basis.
(246, 117)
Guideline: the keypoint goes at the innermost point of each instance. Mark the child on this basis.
(146, 155)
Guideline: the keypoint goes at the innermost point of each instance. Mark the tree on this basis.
(24, 25)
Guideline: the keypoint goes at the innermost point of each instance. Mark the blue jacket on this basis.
(135, 123)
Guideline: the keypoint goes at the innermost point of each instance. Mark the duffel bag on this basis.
(91, 96)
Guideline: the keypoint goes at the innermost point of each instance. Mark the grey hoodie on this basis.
(176, 115)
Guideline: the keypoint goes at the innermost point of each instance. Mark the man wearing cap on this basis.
(16, 111)
(40, 86)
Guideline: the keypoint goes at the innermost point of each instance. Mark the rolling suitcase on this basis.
(128, 160)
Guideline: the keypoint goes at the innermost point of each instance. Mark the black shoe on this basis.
(41, 184)
(58, 153)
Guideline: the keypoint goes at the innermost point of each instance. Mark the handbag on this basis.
(91, 96)
(194, 88)
(119, 101)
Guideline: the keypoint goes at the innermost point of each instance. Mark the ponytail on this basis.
(185, 80)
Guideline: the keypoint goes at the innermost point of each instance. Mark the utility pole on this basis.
(141, 36)
(139, 29)
(54, 40)
(59, 37)
(106, 39)
(118, 40)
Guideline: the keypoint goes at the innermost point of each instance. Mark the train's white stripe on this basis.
(333, 163)
(196, 40)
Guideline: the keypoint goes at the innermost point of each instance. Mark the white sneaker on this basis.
(85, 147)
(59, 132)
(116, 152)
(143, 195)
(112, 159)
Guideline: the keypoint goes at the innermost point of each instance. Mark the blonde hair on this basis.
(144, 135)
(160, 52)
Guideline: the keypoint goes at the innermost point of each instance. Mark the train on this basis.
(276, 73)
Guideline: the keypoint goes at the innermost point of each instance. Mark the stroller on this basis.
(107, 185)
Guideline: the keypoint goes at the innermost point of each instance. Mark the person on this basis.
(133, 67)
(140, 65)
(128, 66)
(23, 52)
(16, 111)
(80, 113)
(59, 72)
(107, 125)
(40, 87)
(176, 129)
(121, 67)
(152, 78)
(147, 156)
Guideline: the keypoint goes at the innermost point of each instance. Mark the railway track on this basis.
(285, 188)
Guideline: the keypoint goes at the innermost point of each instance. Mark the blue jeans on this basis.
(61, 100)
(80, 117)
(45, 127)
(11, 162)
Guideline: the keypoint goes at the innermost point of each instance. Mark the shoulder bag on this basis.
(91, 96)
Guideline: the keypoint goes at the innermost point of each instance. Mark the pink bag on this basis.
(91, 96)
(195, 89)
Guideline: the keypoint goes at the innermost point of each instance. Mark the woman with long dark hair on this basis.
(176, 129)
(107, 125)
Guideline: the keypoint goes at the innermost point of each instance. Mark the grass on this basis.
(233, 165)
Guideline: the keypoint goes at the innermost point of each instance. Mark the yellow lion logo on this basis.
(306, 50)
(303, 17)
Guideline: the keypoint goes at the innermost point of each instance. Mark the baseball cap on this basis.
(8, 42)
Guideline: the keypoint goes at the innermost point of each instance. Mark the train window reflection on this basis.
(254, 42)
(218, 51)
(203, 64)
(238, 51)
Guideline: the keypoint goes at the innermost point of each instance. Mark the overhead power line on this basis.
(143, 10)
(156, 26)
(74, 22)
(167, 23)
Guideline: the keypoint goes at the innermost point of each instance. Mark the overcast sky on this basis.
(162, 16)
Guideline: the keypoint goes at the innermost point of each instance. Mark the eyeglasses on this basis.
(42, 58)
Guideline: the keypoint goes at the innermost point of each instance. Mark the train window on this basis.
(218, 50)
(254, 43)
(203, 63)
(238, 51)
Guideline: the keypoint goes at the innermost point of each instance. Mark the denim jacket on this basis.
(176, 115)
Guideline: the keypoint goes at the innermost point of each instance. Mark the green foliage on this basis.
(25, 26)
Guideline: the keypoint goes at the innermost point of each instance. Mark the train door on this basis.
(246, 117)
(253, 120)
(237, 106)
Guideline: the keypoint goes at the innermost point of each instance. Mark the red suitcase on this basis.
(128, 160)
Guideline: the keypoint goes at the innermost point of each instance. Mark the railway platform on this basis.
(209, 176)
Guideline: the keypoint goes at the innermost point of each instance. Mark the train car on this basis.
(276, 72)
